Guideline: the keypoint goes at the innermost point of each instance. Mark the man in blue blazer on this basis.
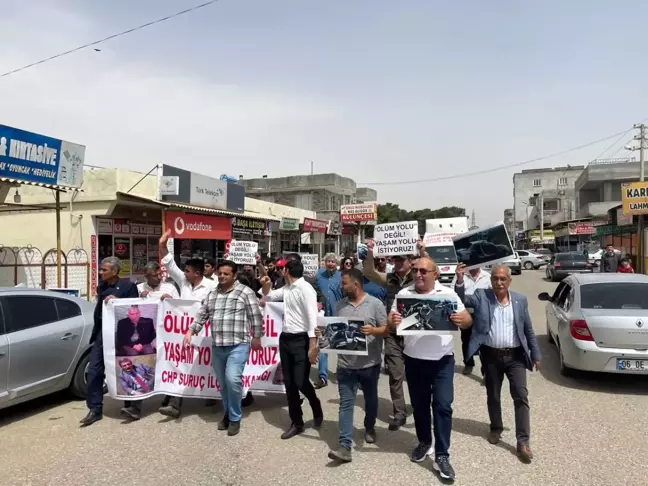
(503, 334)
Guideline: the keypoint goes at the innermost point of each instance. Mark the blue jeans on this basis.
(431, 383)
(228, 362)
(322, 366)
(348, 383)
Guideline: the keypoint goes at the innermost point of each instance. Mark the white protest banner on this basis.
(396, 239)
(310, 262)
(168, 367)
(243, 252)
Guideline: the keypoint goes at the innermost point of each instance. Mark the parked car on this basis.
(44, 344)
(600, 323)
(531, 260)
(514, 263)
(562, 265)
(545, 253)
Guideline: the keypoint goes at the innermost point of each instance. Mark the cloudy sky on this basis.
(379, 91)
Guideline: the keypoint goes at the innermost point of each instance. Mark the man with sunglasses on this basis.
(393, 282)
(429, 367)
(503, 334)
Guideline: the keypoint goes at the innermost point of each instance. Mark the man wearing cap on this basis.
(393, 282)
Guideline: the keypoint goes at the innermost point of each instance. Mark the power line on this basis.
(613, 144)
(495, 169)
(110, 37)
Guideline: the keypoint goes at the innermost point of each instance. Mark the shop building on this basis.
(577, 235)
(118, 212)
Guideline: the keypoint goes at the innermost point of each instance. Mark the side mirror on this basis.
(544, 296)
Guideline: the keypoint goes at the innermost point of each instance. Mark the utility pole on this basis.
(641, 137)
(541, 218)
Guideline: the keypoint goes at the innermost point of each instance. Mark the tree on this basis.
(392, 213)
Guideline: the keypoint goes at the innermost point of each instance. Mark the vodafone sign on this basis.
(198, 226)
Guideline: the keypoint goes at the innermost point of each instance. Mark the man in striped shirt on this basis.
(233, 311)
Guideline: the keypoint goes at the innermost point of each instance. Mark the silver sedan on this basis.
(599, 322)
(44, 344)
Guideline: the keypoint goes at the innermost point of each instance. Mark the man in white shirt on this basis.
(429, 365)
(297, 343)
(475, 278)
(192, 282)
(193, 286)
(154, 287)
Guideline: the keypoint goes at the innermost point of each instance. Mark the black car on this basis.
(562, 265)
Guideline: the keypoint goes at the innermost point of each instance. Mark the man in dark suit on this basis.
(110, 287)
(503, 332)
(135, 334)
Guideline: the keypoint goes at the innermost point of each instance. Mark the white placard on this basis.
(395, 239)
(243, 252)
(310, 262)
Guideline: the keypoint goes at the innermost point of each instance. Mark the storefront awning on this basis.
(186, 207)
(56, 187)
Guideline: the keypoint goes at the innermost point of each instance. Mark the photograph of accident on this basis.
(483, 246)
(426, 314)
(341, 335)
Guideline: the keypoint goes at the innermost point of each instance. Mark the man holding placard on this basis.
(393, 282)
(429, 366)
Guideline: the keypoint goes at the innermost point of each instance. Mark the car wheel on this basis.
(549, 336)
(564, 369)
(528, 265)
(79, 385)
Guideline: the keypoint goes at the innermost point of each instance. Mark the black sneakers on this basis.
(443, 467)
(421, 452)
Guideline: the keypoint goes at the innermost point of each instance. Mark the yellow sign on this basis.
(634, 197)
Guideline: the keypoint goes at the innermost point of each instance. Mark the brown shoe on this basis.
(524, 453)
(494, 436)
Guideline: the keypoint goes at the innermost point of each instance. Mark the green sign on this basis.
(289, 224)
(612, 229)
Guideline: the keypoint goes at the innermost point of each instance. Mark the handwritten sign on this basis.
(310, 262)
(396, 238)
(243, 252)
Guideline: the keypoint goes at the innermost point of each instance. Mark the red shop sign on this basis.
(198, 226)
(315, 225)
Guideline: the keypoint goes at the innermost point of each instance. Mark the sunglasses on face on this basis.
(347, 264)
(422, 271)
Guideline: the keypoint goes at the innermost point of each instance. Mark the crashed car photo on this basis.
(483, 246)
(342, 336)
(426, 314)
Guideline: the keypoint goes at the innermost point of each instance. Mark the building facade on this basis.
(324, 194)
(598, 189)
(539, 194)
(117, 212)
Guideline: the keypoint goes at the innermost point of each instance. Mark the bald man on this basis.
(429, 365)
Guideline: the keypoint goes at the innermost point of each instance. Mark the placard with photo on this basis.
(342, 335)
(426, 314)
(483, 246)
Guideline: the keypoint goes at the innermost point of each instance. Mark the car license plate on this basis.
(632, 365)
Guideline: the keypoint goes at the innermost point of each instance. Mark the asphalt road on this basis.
(590, 430)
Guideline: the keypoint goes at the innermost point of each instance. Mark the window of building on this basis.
(562, 181)
(304, 201)
(537, 182)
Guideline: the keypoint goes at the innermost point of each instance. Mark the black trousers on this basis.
(293, 352)
(512, 363)
(465, 340)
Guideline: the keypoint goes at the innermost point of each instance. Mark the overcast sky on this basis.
(374, 90)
